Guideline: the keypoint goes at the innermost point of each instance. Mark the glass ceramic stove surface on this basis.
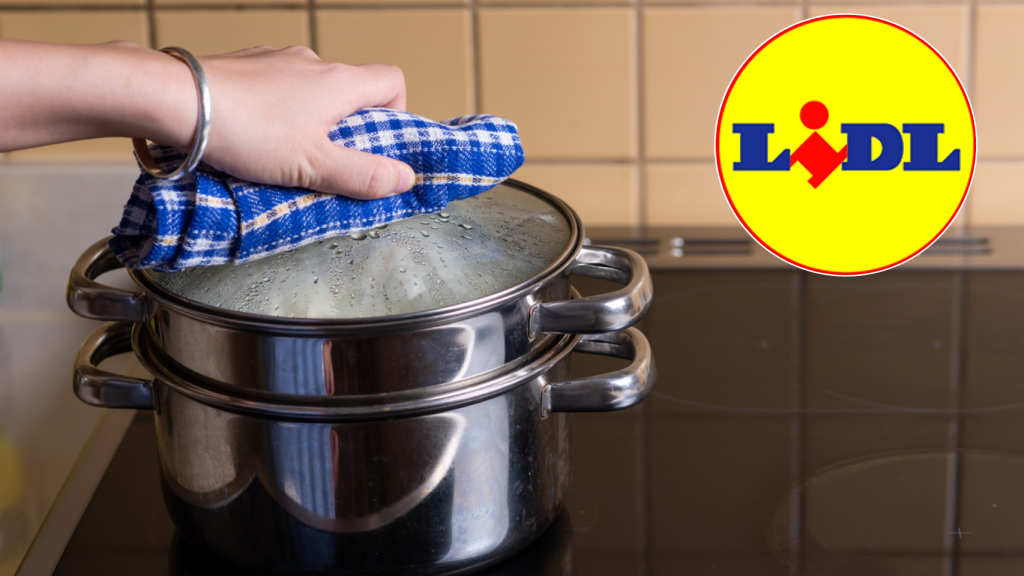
(800, 424)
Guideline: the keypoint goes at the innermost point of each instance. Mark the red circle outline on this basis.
(718, 155)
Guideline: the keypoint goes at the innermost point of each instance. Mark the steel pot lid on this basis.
(474, 248)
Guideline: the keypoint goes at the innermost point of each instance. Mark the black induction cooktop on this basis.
(801, 424)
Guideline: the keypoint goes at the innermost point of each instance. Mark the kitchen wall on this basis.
(616, 100)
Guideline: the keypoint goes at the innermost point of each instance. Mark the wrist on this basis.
(149, 95)
(169, 109)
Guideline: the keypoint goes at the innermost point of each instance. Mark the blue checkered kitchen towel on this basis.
(209, 217)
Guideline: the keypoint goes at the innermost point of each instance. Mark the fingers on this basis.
(360, 175)
(381, 85)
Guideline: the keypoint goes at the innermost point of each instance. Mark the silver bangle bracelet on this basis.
(202, 126)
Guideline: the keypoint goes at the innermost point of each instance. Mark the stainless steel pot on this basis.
(387, 354)
(412, 482)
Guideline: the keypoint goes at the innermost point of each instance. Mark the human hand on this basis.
(272, 110)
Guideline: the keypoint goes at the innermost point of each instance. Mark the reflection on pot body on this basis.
(334, 367)
(459, 488)
(325, 475)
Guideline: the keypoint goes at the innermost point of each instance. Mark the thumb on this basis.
(361, 175)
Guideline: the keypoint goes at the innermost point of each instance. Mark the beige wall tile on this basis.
(724, 2)
(437, 67)
(997, 194)
(96, 150)
(217, 31)
(566, 76)
(71, 3)
(884, 2)
(998, 82)
(602, 194)
(527, 2)
(76, 27)
(686, 194)
(691, 54)
(385, 2)
(226, 2)
(941, 26)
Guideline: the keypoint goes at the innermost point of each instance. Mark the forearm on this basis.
(271, 109)
(53, 93)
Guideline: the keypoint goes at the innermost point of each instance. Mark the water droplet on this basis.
(466, 226)
(373, 234)
(332, 245)
(425, 222)
(424, 232)
(315, 279)
(443, 214)
(357, 236)
(276, 306)
(467, 236)
(433, 227)
(401, 270)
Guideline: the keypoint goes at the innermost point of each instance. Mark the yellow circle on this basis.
(863, 216)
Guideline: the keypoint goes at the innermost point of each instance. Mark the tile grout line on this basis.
(151, 22)
(314, 37)
(644, 473)
(145, 6)
(409, 6)
(476, 67)
(954, 432)
(970, 50)
(805, 9)
(797, 508)
(640, 202)
(802, 5)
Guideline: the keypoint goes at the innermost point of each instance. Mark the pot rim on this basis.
(354, 408)
(376, 324)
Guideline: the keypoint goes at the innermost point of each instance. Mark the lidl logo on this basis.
(818, 157)
(847, 166)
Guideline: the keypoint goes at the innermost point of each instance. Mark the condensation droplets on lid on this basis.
(473, 249)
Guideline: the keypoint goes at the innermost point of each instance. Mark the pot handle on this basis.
(105, 389)
(606, 312)
(612, 391)
(90, 299)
